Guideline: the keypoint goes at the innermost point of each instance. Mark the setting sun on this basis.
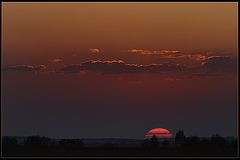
(159, 133)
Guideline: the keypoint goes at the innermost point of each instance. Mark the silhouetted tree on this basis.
(180, 138)
(33, 141)
(192, 141)
(38, 141)
(9, 142)
(165, 143)
(233, 143)
(205, 142)
(218, 141)
(110, 145)
(71, 143)
(154, 141)
(146, 143)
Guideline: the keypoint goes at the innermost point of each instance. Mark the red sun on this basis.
(159, 133)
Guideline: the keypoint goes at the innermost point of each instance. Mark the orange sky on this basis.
(45, 29)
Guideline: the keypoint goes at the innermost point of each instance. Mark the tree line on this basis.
(180, 140)
(180, 145)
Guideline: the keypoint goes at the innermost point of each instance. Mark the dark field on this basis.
(118, 152)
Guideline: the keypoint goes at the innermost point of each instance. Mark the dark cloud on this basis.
(72, 68)
(26, 68)
(220, 63)
(119, 66)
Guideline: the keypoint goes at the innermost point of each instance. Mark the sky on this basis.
(118, 70)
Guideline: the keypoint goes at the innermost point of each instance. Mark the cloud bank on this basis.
(206, 64)
(119, 66)
(220, 63)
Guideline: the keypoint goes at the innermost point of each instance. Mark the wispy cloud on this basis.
(169, 54)
(196, 57)
(57, 60)
(152, 52)
(94, 50)
(26, 68)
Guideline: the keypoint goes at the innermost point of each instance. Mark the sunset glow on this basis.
(105, 69)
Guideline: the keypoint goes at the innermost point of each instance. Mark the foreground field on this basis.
(118, 152)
